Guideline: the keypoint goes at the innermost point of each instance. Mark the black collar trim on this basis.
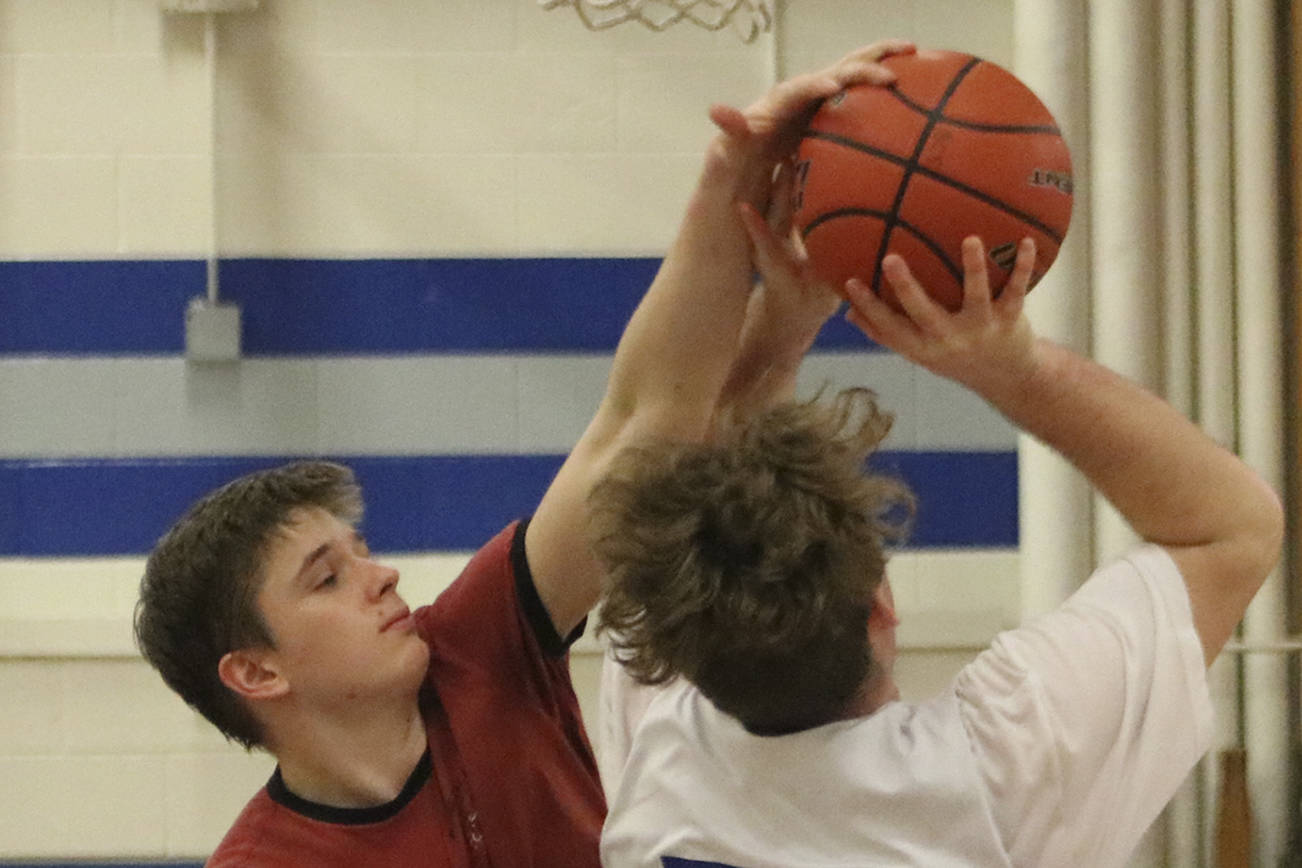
(281, 795)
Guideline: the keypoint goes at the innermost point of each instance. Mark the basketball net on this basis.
(748, 18)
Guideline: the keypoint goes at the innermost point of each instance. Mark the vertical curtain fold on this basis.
(1173, 274)
(1186, 823)
(1214, 355)
(1260, 281)
(1054, 502)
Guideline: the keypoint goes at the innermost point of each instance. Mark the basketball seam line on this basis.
(940, 179)
(972, 125)
(912, 166)
(904, 224)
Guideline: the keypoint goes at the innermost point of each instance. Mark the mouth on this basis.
(401, 620)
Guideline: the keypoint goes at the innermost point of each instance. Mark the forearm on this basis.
(785, 313)
(677, 348)
(667, 372)
(1173, 484)
(768, 361)
(1177, 488)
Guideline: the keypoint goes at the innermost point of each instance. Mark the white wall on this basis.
(405, 128)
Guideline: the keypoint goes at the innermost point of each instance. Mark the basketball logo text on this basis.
(1045, 178)
(1004, 255)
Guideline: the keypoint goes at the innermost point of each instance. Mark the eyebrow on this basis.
(316, 555)
(319, 552)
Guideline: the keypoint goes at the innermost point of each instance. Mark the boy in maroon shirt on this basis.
(450, 736)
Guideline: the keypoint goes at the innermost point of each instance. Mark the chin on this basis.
(419, 664)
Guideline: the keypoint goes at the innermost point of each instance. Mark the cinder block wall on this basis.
(407, 131)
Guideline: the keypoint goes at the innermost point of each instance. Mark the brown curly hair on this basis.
(748, 564)
(198, 597)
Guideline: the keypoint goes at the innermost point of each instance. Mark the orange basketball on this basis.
(957, 146)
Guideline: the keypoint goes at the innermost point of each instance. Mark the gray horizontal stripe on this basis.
(482, 404)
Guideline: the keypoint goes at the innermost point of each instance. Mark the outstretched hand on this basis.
(783, 315)
(986, 345)
(768, 131)
(790, 297)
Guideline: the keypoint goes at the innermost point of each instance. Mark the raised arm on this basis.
(785, 314)
(1222, 525)
(678, 347)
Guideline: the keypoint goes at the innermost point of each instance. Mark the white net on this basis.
(748, 18)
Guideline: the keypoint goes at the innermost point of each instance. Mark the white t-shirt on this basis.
(1058, 746)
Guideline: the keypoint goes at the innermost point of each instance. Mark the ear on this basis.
(252, 673)
(883, 613)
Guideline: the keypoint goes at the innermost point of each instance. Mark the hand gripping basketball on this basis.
(957, 146)
(986, 345)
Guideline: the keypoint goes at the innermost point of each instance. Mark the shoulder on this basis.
(243, 844)
(1059, 710)
(1126, 630)
(1144, 583)
(1132, 613)
(494, 595)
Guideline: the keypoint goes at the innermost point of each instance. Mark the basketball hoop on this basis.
(748, 18)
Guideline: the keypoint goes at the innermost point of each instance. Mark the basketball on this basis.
(957, 146)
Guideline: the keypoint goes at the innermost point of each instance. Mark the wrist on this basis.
(1022, 377)
(737, 171)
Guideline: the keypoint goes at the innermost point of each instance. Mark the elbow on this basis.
(1262, 536)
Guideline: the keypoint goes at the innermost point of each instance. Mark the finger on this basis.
(925, 313)
(864, 72)
(878, 320)
(976, 277)
(1019, 283)
(768, 247)
(882, 48)
(797, 95)
(782, 199)
(857, 320)
(797, 245)
(793, 97)
(732, 122)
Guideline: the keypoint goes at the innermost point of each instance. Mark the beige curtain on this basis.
(1174, 275)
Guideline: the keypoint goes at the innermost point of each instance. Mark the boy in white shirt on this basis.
(747, 575)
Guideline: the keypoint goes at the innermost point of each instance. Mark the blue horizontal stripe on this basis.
(331, 306)
(426, 503)
(96, 308)
(965, 499)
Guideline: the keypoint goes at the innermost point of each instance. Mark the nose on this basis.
(381, 579)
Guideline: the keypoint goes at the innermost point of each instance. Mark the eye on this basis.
(328, 582)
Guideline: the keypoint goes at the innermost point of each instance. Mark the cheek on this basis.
(314, 636)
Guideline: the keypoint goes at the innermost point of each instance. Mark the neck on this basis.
(350, 760)
(879, 689)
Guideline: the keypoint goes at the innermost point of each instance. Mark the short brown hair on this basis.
(748, 564)
(198, 597)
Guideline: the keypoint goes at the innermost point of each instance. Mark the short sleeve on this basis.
(1086, 721)
(490, 626)
(622, 704)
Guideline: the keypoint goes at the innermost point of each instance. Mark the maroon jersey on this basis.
(509, 778)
